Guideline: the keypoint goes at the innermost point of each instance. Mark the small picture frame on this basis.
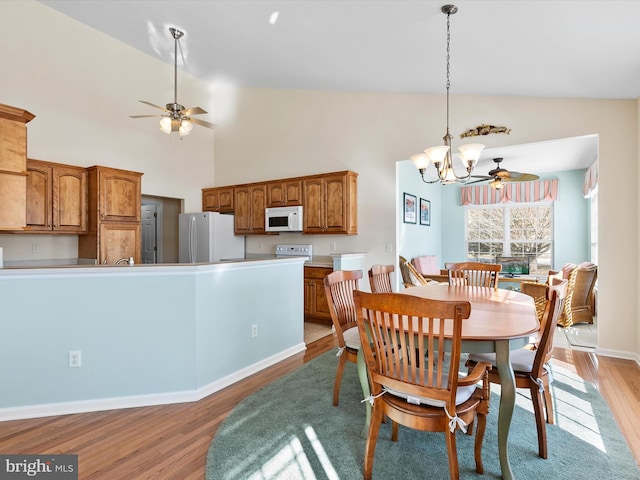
(410, 208)
(425, 212)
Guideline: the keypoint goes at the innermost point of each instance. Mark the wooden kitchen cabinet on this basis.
(220, 199)
(330, 203)
(13, 167)
(56, 198)
(118, 241)
(316, 308)
(250, 203)
(284, 193)
(114, 229)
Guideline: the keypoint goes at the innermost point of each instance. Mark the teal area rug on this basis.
(290, 430)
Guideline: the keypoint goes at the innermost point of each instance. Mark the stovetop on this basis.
(297, 250)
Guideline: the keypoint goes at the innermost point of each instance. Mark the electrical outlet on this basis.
(254, 330)
(35, 248)
(388, 247)
(75, 358)
(333, 247)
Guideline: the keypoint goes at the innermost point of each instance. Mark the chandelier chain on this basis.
(448, 64)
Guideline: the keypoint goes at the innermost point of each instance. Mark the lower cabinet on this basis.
(119, 240)
(316, 308)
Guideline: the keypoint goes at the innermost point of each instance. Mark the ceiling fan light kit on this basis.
(441, 156)
(176, 118)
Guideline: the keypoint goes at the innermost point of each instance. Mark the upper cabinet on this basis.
(284, 193)
(13, 165)
(118, 194)
(219, 199)
(330, 203)
(250, 203)
(56, 198)
(114, 228)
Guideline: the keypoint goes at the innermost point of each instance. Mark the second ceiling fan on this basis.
(177, 118)
(499, 175)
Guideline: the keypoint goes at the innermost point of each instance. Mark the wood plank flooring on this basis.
(171, 441)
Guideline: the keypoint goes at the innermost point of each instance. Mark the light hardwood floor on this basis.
(171, 442)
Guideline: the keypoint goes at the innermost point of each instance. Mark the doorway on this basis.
(160, 229)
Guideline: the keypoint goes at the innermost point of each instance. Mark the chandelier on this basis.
(440, 155)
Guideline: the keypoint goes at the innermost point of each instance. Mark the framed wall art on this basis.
(425, 212)
(410, 208)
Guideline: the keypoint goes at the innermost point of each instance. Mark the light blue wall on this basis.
(148, 334)
(445, 238)
(415, 239)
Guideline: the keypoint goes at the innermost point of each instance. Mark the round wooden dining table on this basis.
(500, 321)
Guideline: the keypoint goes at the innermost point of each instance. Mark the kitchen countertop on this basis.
(140, 268)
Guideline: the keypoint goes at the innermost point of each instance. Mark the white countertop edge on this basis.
(348, 255)
(142, 269)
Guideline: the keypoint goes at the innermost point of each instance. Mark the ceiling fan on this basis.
(177, 118)
(500, 175)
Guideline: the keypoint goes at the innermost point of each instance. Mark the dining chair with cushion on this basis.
(404, 339)
(380, 278)
(538, 291)
(531, 365)
(339, 287)
(410, 276)
(474, 274)
(579, 305)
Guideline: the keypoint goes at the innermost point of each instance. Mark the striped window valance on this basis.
(590, 180)
(517, 192)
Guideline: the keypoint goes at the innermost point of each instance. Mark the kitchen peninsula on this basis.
(147, 334)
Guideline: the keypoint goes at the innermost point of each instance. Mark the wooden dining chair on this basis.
(531, 364)
(339, 287)
(474, 274)
(380, 278)
(413, 389)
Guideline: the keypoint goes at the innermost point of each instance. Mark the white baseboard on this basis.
(619, 354)
(97, 405)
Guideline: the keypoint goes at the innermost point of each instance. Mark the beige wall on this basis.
(82, 85)
(275, 133)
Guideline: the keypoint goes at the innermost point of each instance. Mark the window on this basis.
(511, 230)
(593, 198)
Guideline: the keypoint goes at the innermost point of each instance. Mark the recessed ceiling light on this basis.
(274, 17)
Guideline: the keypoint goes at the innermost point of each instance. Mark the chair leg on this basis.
(452, 453)
(372, 438)
(394, 431)
(548, 404)
(342, 360)
(481, 421)
(536, 398)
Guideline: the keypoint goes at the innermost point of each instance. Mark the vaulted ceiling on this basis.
(562, 48)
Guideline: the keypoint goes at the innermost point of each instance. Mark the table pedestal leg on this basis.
(507, 405)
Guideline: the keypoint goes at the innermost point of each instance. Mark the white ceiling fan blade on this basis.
(202, 123)
(152, 105)
(193, 111)
(145, 116)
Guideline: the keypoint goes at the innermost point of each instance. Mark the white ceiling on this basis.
(561, 48)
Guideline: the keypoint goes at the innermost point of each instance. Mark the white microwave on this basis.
(283, 219)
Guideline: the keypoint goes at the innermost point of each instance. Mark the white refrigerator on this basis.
(206, 237)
